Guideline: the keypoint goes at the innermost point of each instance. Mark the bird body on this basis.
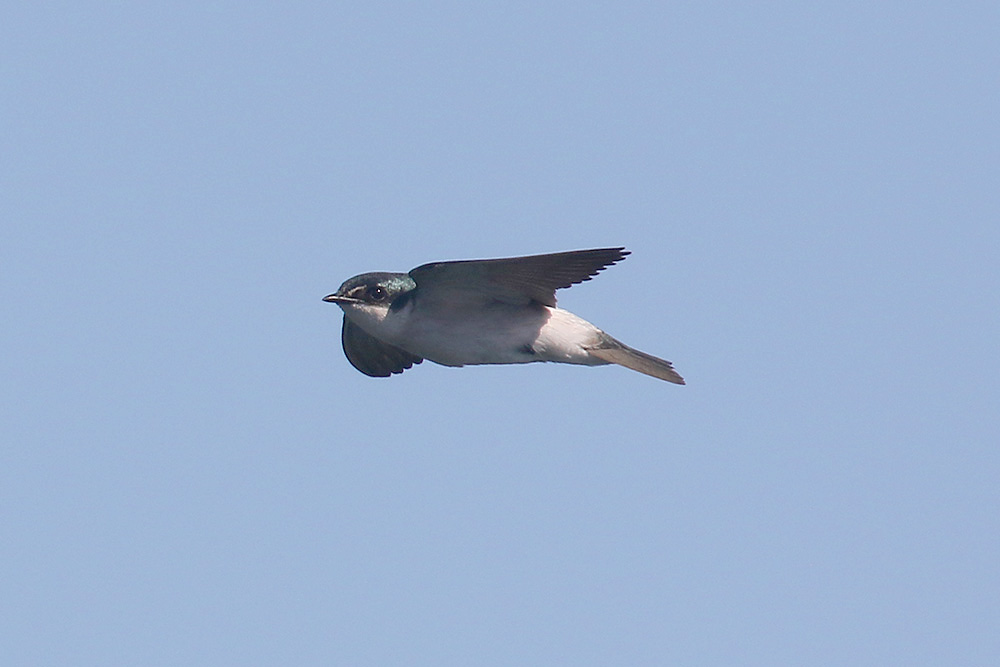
(497, 333)
(499, 311)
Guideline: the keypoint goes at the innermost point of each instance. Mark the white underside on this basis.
(497, 333)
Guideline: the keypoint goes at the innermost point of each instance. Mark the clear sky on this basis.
(191, 473)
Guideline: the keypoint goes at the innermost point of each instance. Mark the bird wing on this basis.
(516, 280)
(370, 355)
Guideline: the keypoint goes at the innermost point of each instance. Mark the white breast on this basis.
(495, 333)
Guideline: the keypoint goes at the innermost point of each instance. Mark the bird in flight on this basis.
(481, 311)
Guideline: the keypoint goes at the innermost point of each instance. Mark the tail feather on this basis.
(617, 352)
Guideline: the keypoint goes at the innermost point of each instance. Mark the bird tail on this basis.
(616, 352)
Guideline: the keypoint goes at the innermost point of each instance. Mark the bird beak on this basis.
(336, 298)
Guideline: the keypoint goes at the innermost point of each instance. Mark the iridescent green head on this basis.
(379, 289)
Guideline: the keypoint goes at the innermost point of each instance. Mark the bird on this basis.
(481, 311)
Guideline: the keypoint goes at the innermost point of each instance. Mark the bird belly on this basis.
(500, 334)
(565, 339)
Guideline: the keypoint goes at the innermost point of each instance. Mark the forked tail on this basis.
(614, 351)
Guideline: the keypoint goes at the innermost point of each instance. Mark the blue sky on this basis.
(192, 473)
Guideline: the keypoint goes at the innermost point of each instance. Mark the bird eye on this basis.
(376, 293)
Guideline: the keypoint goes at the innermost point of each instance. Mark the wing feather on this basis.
(370, 355)
(517, 280)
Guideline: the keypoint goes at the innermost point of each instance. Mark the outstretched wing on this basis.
(370, 355)
(517, 280)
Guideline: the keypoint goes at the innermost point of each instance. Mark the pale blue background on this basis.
(192, 473)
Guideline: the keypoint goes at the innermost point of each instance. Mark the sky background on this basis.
(191, 473)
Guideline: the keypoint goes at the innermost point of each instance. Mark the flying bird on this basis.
(481, 311)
